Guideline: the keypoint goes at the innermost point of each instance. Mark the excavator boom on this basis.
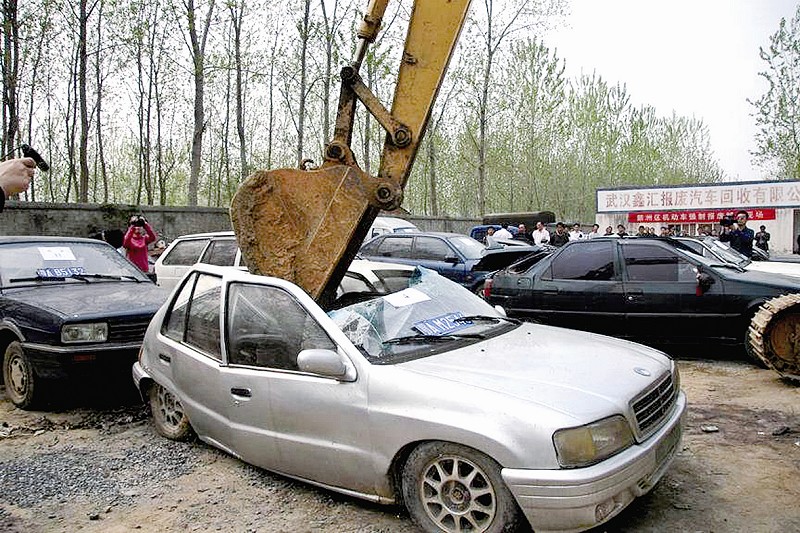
(307, 225)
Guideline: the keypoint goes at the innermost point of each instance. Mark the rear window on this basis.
(221, 252)
(185, 253)
(395, 247)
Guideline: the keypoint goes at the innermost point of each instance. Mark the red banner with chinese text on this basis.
(704, 216)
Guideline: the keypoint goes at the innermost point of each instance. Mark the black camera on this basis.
(727, 221)
(138, 221)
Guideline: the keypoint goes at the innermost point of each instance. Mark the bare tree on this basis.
(197, 48)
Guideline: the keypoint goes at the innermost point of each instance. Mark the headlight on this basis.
(84, 332)
(590, 444)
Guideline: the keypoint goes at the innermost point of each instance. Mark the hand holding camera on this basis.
(138, 221)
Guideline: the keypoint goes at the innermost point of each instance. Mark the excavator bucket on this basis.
(297, 224)
(306, 226)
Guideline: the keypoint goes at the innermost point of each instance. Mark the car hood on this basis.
(535, 363)
(95, 298)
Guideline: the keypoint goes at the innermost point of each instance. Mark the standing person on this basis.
(522, 234)
(560, 237)
(738, 234)
(621, 231)
(540, 235)
(135, 242)
(15, 177)
(642, 232)
(488, 239)
(762, 238)
(594, 233)
(664, 231)
(503, 233)
(576, 234)
(609, 231)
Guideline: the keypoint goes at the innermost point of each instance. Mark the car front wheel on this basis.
(449, 487)
(168, 415)
(20, 380)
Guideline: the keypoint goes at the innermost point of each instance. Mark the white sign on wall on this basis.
(722, 196)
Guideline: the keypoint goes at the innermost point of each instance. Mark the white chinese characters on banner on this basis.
(705, 197)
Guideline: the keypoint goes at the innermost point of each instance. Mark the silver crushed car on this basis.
(427, 396)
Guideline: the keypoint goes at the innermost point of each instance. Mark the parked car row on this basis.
(652, 290)
(526, 426)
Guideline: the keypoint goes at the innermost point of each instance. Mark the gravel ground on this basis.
(98, 466)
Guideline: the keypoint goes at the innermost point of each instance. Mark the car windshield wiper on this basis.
(48, 278)
(487, 318)
(106, 276)
(420, 338)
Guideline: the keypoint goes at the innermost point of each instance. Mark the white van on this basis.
(390, 225)
(218, 248)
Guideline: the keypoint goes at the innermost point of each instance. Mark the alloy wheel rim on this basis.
(457, 495)
(170, 408)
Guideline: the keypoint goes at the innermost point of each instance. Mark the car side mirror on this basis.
(500, 310)
(323, 362)
(453, 260)
(704, 283)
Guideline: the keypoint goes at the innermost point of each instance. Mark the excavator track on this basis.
(774, 335)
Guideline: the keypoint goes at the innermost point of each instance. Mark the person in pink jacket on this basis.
(135, 242)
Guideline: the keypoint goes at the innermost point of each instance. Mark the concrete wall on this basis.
(86, 220)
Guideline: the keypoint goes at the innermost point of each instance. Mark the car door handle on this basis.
(550, 291)
(244, 393)
(165, 358)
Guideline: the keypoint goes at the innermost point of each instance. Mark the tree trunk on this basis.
(10, 73)
(301, 105)
(198, 46)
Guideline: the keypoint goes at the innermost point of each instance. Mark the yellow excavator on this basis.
(306, 225)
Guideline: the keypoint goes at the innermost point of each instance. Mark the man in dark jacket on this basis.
(560, 237)
(739, 235)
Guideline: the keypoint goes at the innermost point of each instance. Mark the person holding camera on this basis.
(135, 242)
(737, 233)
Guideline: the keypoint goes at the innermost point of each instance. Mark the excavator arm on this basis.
(306, 226)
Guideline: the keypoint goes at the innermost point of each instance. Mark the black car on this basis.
(68, 307)
(646, 289)
(454, 256)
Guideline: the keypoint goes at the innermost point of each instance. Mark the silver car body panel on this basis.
(503, 396)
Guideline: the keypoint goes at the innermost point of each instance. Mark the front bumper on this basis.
(63, 362)
(582, 498)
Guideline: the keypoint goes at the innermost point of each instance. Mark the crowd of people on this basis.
(734, 231)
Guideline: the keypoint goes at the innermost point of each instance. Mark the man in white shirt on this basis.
(576, 234)
(540, 235)
(503, 234)
(594, 233)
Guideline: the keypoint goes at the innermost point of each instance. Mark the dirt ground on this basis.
(100, 467)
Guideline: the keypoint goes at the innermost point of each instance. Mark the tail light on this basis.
(487, 288)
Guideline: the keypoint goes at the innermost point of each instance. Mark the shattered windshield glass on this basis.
(431, 315)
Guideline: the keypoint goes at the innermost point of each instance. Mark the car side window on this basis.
(653, 263)
(194, 316)
(268, 328)
(431, 249)
(395, 247)
(185, 252)
(589, 261)
(221, 252)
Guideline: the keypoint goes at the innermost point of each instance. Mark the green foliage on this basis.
(777, 111)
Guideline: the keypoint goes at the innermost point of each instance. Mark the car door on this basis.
(662, 303)
(191, 357)
(580, 288)
(301, 424)
(437, 254)
(391, 248)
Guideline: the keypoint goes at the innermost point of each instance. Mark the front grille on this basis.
(128, 331)
(653, 405)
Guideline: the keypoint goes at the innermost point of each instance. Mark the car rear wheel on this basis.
(20, 380)
(168, 415)
(449, 487)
